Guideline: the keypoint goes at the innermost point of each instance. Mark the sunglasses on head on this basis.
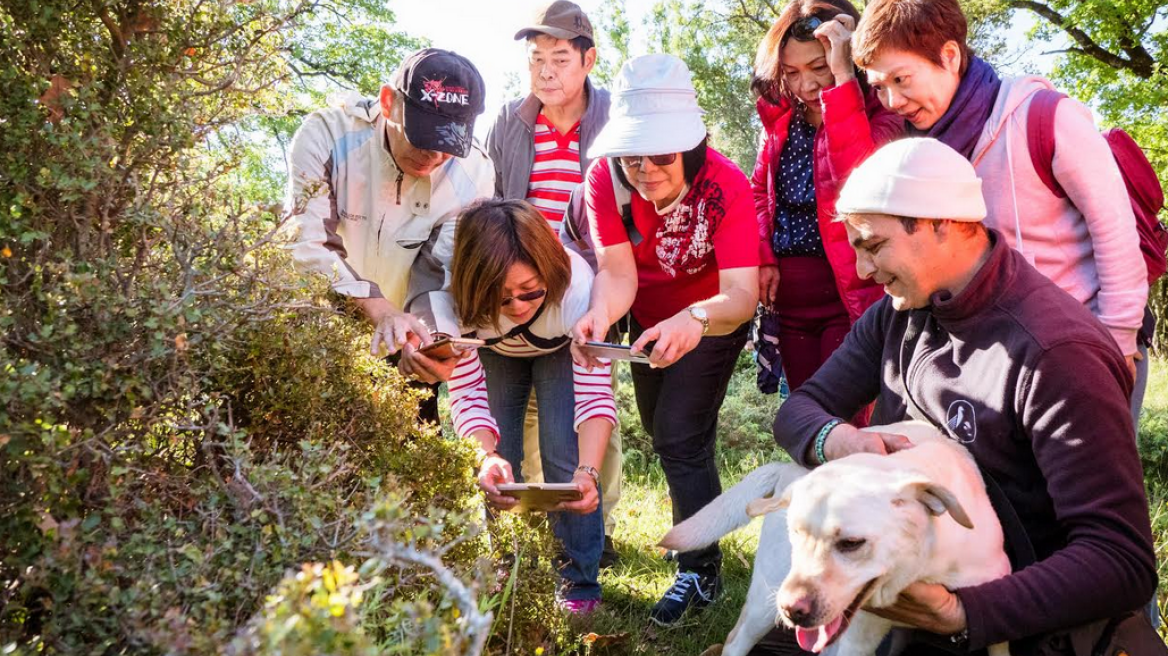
(634, 161)
(804, 28)
(526, 298)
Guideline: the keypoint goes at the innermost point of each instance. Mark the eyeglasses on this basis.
(634, 161)
(526, 298)
(804, 28)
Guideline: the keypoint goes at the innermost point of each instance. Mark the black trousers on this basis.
(679, 410)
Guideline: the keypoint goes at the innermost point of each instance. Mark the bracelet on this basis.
(821, 439)
(591, 471)
(960, 638)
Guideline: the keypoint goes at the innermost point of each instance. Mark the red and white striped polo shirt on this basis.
(555, 171)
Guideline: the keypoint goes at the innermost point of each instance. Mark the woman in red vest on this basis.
(819, 122)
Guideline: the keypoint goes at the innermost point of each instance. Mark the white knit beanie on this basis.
(919, 178)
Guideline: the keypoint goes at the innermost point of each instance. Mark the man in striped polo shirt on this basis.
(538, 146)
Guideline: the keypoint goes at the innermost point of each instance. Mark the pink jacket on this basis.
(854, 126)
(1087, 243)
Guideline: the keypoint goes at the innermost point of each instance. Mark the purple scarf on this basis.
(969, 110)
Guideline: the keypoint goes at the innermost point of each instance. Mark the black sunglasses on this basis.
(804, 28)
(634, 161)
(526, 298)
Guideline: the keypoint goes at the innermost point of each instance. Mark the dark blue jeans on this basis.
(510, 382)
(679, 410)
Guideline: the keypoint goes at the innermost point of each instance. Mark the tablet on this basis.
(540, 496)
(615, 352)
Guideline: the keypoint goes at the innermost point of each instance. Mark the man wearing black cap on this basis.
(374, 189)
(538, 145)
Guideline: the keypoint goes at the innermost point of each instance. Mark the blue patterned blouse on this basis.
(796, 222)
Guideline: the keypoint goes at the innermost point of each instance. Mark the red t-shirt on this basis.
(713, 228)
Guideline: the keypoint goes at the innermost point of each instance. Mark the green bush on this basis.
(183, 419)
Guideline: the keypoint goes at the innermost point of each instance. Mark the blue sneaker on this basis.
(689, 590)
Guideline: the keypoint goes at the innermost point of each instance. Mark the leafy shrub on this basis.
(183, 419)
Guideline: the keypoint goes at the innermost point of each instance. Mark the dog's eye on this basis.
(850, 544)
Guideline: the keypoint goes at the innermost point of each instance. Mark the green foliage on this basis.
(314, 612)
(1115, 59)
(182, 418)
(612, 41)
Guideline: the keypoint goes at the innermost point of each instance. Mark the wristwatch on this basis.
(702, 317)
(591, 471)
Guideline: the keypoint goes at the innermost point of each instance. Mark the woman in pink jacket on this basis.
(819, 122)
(917, 60)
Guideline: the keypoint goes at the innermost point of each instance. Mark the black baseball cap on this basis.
(443, 94)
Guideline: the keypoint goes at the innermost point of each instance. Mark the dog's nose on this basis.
(799, 610)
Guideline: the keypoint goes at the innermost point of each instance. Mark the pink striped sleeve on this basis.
(593, 393)
(468, 398)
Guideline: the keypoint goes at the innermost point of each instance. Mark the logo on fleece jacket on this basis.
(961, 421)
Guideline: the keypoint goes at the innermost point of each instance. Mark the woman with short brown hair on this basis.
(517, 288)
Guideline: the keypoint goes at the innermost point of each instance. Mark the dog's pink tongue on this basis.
(817, 639)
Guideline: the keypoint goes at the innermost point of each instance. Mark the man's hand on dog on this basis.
(928, 606)
(845, 439)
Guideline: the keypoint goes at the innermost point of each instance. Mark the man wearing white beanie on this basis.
(974, 340)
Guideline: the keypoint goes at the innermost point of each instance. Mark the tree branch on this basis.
(1139, 61)
(117, 41)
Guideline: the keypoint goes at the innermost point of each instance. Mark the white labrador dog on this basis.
(851, 534)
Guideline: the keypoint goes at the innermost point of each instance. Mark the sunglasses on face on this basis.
(526, 298)
(804, 28)
(634, 161)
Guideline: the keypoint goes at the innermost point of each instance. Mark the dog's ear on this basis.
(939, 500)
(760, 507)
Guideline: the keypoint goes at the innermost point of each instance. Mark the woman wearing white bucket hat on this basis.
(682, 254)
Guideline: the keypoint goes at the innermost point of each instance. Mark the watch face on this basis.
(699, 313)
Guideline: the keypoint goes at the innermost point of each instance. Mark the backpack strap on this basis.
(624, 200)
(1040, 137)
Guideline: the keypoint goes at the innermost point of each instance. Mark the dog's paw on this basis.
(715, 650)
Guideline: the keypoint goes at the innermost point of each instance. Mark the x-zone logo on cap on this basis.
(436, 91)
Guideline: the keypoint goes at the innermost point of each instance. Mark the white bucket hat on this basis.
(919, 178)
(654, 110)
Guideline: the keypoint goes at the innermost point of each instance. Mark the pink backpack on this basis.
(1143, 187)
